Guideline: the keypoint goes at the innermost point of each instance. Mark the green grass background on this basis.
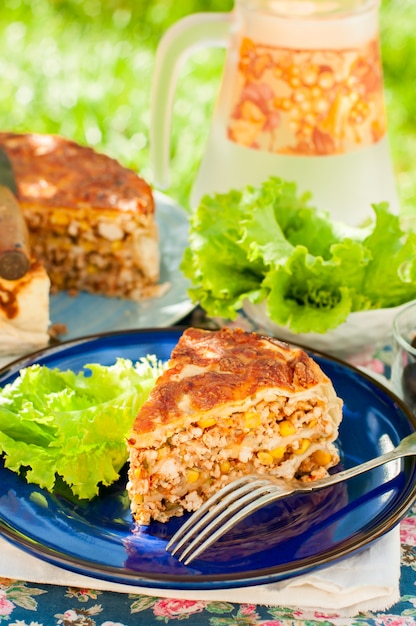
(83, 69)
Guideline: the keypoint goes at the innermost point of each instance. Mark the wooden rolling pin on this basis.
(14, 235)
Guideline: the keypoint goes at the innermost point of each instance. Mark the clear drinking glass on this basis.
(404, 355)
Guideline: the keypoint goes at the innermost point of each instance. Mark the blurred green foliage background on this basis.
(83, 69)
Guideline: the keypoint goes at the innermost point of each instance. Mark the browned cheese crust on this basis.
(52, 171)
(91, 220)
(214, 369)
(230, 403)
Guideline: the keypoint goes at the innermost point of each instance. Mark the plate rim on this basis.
(204, 581)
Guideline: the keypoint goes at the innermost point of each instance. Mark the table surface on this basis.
(25, 603)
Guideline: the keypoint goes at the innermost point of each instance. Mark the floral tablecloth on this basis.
(29, 604)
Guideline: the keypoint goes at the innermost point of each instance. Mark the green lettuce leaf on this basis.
(73, 426)
(268, 244)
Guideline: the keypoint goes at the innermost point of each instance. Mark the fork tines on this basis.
(220, 513)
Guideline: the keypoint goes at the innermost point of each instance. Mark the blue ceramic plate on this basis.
(88, 313)
(291, 537)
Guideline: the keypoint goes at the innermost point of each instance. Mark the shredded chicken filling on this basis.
(280, 438)
(114, 254)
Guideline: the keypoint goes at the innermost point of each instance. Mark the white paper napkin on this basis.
(366, 581)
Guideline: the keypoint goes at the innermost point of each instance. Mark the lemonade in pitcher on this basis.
(301, 98)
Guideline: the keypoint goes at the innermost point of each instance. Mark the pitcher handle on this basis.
(188, 34)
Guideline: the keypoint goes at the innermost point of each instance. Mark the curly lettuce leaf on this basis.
(73, 426)
(216, 253)
(268, 244)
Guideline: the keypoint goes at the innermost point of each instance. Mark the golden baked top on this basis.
(52, 171)
(211, 369)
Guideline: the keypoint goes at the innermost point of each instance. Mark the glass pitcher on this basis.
(301, 97)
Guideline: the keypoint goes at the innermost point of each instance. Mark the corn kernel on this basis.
(279, 452)
(251, 420)
(321, 457)
(138, 472)
(265, 458)
(286, 428)
(225, 467)
(303, 446)
(162, 452)
(138, 498)
(59, 218)
(116, 245)
(206, 422)
(192, 475)
(312, 423)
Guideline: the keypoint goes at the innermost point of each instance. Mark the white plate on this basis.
(86, 314)
(362, 333)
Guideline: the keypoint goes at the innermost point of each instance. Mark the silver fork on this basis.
(244, 496)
